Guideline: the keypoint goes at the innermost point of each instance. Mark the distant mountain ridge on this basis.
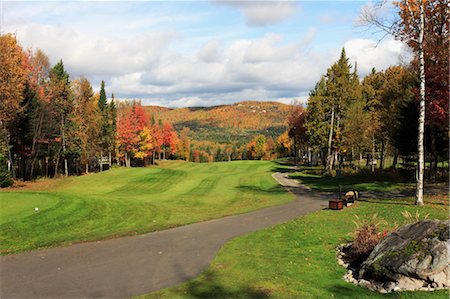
(231, 124)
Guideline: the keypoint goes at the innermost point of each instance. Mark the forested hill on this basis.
(232, 124)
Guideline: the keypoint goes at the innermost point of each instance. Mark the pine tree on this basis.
(372, 88)
(317, 123)
(102, 104)
(339, 92)
(60, 95)
(105, 127)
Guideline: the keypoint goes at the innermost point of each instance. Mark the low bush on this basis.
(367, 236)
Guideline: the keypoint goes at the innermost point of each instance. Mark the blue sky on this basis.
(184, 53)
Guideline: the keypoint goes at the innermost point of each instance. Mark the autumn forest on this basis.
(224, 149)
(53, 124)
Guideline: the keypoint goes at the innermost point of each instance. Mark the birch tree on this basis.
(410, 27)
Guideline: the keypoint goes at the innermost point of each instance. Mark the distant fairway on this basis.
(128, 201)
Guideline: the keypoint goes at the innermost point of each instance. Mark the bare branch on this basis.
(371, 16)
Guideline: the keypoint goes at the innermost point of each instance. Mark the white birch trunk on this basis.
(330, 139)
(420, 146)
(66, 169)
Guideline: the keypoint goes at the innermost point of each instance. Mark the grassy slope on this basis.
(296, 259)
(128, 201)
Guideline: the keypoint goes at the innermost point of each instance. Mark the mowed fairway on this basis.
(127, 201)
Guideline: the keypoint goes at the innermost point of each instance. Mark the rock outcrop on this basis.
(414, 257)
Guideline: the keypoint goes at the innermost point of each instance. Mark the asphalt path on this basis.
(129, 266)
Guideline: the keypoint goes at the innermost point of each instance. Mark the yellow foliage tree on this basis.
(145, 144)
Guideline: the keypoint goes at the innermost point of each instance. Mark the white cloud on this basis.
(209, 52)
(309, 36)
(369, 54)
(85, 54)
(188, 102)
(151, 65)
(261, 13)
(266, 50)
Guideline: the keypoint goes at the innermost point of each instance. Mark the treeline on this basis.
(348, 119)
(259, 147)
(50, 124)
(359, 123)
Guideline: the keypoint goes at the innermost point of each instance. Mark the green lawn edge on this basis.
(124, 202)
(298, 259)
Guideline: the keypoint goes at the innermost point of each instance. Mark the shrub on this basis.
(367, 237)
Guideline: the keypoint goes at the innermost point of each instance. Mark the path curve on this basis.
(130, 266)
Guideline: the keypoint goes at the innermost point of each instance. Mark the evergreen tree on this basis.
(105, 137)
(317, 123)
(339, 91)
(60, 95)
(102, 104)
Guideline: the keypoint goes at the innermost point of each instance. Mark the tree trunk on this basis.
(421, 129)
(57, 163)
(383, 147)
(394, 162)
(47, 159)
(295, 150)
(335, 159)
(101, 161)
(330, 139)
(309, 156)
(352, 157)
(37, 133)
(433, 158)
(11, 163)
(127, 160)
(359, 160)
(373, 154)
(66, 169)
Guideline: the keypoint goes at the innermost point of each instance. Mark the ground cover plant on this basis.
(126, 201)
(298, 259)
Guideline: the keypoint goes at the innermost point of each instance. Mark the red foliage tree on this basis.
(170, 139)
(129, 125)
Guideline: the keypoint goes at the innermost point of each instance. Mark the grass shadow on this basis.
(282, 170)
(255, 189)
(388, 202)
(210, 287)
(331, 184)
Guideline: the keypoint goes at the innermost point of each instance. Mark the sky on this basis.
(201, 53)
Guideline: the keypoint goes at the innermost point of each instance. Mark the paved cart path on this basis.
(136, 265)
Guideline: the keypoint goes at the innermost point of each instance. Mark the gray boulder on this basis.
(414, 257)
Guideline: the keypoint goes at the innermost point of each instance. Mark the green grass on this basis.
(130, 201)
(365, 181)
(297, 259)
